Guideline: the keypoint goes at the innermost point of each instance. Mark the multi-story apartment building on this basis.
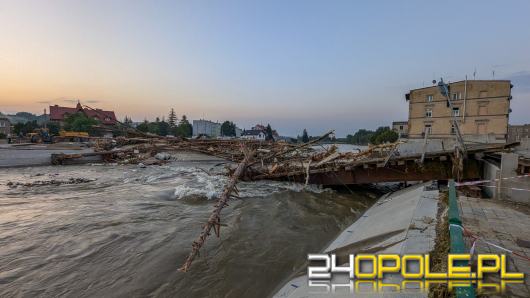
(401, 127)
(481, 107)
(518, 132)
(206, 127)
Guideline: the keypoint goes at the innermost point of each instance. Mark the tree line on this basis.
(381, 135)
(172, 126)
(364, 137)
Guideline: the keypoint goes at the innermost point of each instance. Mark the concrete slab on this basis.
(403, 222)
(13, 157)
(501, 223)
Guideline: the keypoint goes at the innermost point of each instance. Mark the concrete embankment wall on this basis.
(403, 222)
(505, 184)
(33, 156)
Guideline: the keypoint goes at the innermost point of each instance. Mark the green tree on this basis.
(153, 127)
(361, 137)
(384, 134)
(228, 129)
(24, 128)
(163, 128)
(268, 132)
(144, 126)
(305, 137)
(53, 128)
(172, 118)
(185, 129)
(388, 136)
(127, 121)
(80, 122)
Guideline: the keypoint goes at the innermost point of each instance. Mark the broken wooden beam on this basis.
(214, 221)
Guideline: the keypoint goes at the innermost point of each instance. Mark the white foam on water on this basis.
(196, 182)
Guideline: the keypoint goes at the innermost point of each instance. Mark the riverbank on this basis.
(34, 155)
(30, 155)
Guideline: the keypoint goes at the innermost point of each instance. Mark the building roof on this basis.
(251, 132)
(400, 122)
(407, 95)
(106, 117)
(58, 113)
(463, 81)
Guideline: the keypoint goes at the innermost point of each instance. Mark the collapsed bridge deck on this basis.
(438, 165)
(310, 162)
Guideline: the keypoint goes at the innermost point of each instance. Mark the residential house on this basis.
(58, 113)
(5, 126)
(253, 134)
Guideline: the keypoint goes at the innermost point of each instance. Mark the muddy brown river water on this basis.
(127, 231)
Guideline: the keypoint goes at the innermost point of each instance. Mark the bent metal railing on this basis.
(457, 238)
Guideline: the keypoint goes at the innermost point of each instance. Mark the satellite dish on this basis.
(434, 82)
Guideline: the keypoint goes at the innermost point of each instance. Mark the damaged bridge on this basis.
(309, 163)
(380, 164)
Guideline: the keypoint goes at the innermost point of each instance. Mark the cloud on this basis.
(44, 101)
(72, 101)
(92, 101)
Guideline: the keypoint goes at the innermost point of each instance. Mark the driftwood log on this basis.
(214, 221)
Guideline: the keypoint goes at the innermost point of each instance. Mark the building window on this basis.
(427, 129)
(429, 98)
(457, 95)
(428, 113)
(453, 129)
(481, 128)
(456, 112)
(401, 127)
(482, 110)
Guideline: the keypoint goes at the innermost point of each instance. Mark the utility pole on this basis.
(460, 148)
(444, 89)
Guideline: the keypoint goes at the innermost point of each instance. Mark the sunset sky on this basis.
(318, 65)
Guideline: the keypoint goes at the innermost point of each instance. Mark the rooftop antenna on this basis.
(474, 73)
(493, 73)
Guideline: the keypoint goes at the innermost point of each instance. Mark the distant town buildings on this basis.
(253, 134)
(481, 107)
(206, 128)
(401, 127)
(518, 132)
(239, 132)
(58, 113)
(211, 129)
(5, 126)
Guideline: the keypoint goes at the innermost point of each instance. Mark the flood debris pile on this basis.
(149, 151)
(54, 182)
(303, 163)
